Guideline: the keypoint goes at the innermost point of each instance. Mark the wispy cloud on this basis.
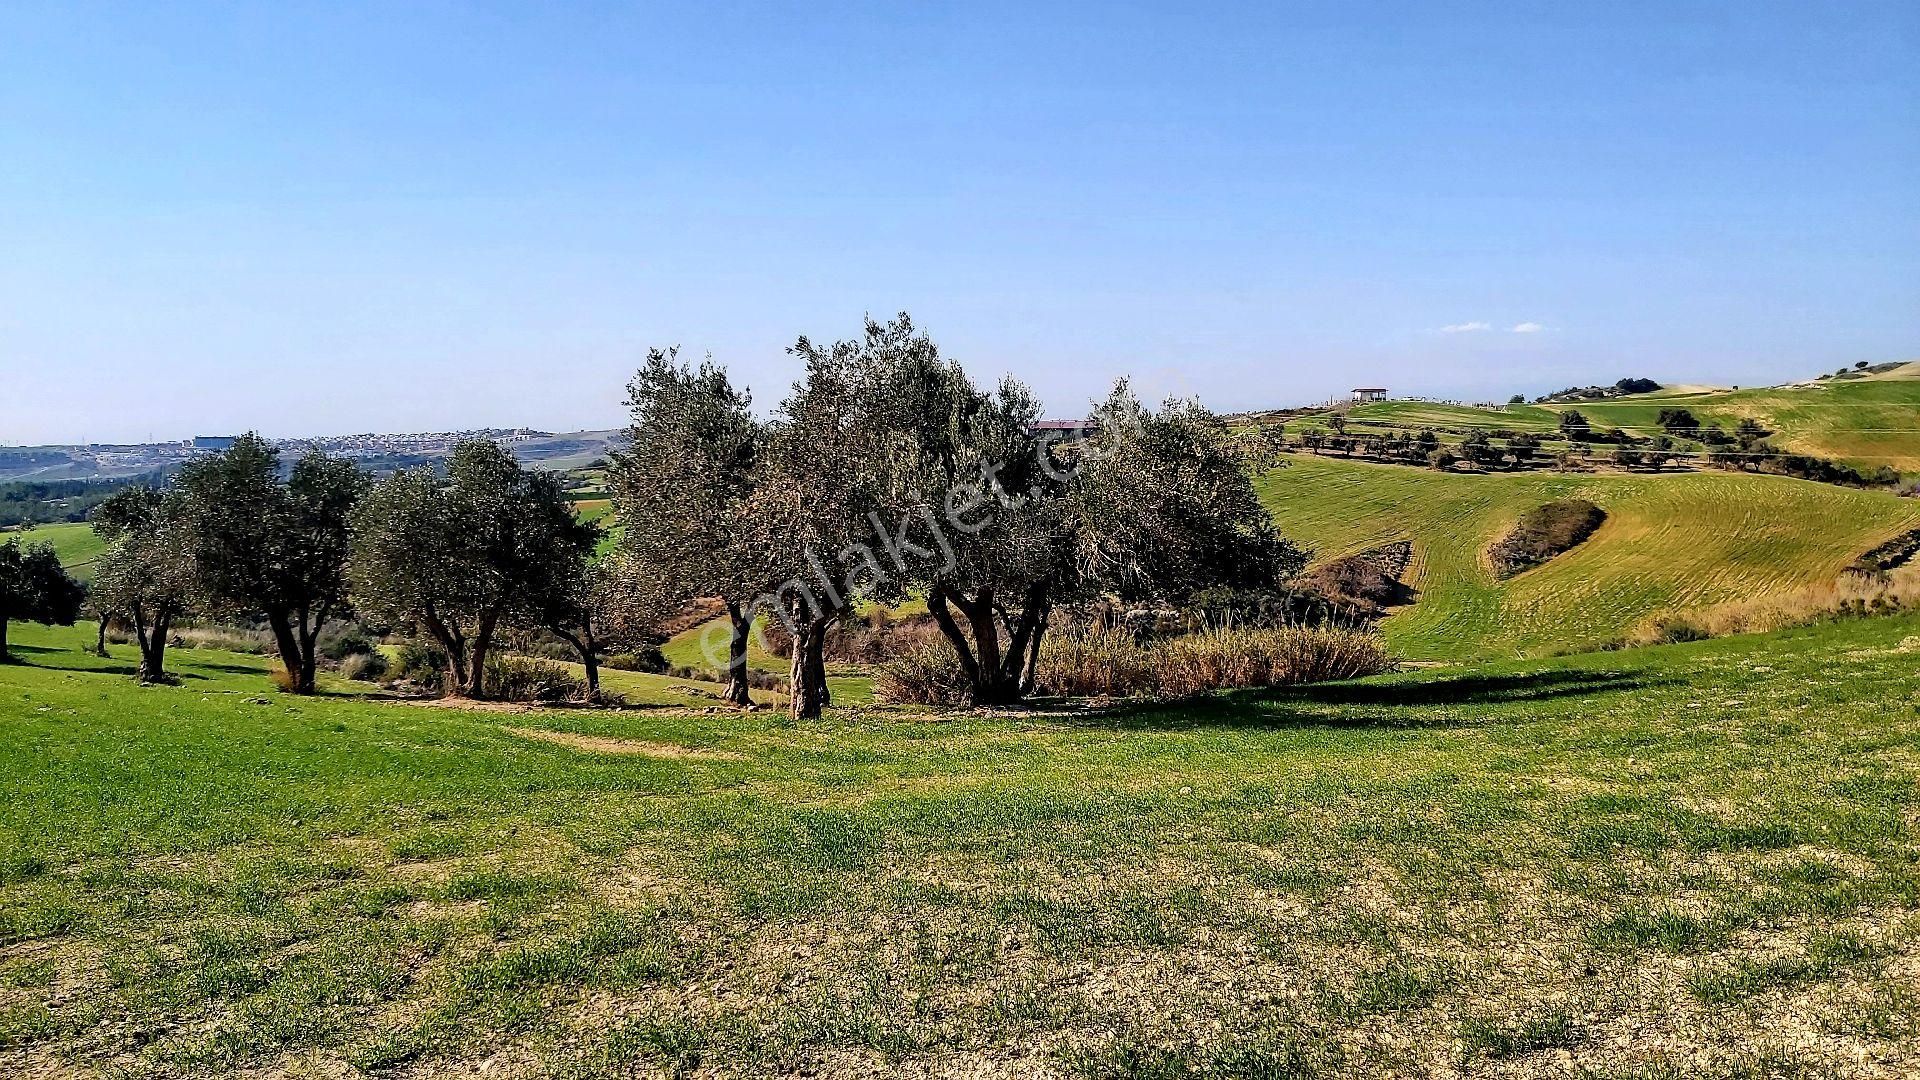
(1465, 327)
(1527, 328)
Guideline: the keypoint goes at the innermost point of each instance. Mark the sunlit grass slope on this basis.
(1678, 540)
(77, 544)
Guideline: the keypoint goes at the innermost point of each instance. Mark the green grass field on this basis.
(1681, 540)
(1689, 860)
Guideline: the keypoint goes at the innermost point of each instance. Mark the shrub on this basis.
(927, 675)
(1111, 664)
(649, 659)
(1545, 531)
(521, 678)
(341, 640)
(421, 663)
(364, 667)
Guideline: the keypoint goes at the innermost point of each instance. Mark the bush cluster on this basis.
(928, 674)
(524, 678)
(1546, 531)
(422, 664)
(364, 667)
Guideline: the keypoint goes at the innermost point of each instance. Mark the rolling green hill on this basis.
(77, 545)
(1866, 420)
(1681, 540)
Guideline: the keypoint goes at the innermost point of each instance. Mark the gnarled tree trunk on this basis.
(153, 646)
(807, 675)
(737, 688)
(995, 675)
(476, 687)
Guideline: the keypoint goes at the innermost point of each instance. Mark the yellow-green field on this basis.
(1682, 540)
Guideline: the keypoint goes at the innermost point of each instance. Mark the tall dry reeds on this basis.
(1107, 663)
(1853, 595)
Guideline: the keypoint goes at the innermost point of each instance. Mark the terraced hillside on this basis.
(1681, 540)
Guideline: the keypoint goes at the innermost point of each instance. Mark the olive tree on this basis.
(34, 587)
(457, 558)
(683, 488)
(604, 604)
(272, 549)
(889, 471)
(146, 577)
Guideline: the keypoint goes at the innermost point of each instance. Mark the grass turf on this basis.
(1690, 860)
(1678, 540)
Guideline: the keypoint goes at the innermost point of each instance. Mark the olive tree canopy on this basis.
(682, 489)
(273, 549)
(457, 557)
(34, 587)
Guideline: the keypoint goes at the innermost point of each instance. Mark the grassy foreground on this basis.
(1673, 541)
(1689, 860)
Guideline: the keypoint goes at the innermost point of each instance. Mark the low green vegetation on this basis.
(1682, 540)
(1687, 860)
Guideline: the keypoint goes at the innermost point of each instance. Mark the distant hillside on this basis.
(1682, 540)
(380, 454)
(1864, 419)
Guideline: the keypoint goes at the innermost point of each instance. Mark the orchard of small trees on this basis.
(885, 472)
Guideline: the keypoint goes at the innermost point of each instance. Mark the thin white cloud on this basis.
(1527, 328)
(1465, 327)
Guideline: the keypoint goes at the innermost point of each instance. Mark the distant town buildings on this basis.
(1369, 393)
(215, 443)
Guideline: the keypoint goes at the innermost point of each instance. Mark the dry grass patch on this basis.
(601, 744)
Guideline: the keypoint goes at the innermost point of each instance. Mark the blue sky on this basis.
(329, 218)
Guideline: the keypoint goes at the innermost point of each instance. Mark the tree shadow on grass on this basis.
(126, 670)
(1369, 704)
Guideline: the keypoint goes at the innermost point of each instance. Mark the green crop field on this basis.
(1687, 860)
(1680, 540)
(1538, 419)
